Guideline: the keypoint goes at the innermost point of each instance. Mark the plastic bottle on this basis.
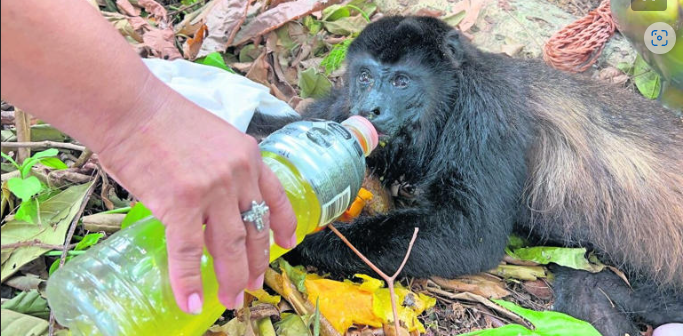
(121, 286)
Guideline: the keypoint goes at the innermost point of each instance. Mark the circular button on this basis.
(660, 38)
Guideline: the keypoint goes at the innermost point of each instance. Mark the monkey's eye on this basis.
(401, 81)
(364, 77)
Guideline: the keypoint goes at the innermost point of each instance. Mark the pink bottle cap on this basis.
(365, 132)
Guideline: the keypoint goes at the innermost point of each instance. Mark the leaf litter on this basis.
(296, 48)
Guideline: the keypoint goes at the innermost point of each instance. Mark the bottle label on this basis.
(328, 157)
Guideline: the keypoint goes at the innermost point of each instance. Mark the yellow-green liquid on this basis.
(129, 293)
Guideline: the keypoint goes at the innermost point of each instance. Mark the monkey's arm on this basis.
(448, 244)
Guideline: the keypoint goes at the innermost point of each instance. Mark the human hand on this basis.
(192, 168)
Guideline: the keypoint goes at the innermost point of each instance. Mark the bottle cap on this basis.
(364, 131)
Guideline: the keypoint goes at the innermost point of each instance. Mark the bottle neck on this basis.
(364, 132)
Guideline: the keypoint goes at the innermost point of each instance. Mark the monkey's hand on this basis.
(447, 245)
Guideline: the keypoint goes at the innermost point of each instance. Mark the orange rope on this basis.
(577, 46)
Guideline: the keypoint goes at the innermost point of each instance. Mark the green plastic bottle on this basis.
(121, 286)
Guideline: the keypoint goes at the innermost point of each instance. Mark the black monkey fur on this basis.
(495, 145)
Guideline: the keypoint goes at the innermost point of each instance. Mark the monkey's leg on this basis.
(609, 304)
(262, 125)
(447, 245)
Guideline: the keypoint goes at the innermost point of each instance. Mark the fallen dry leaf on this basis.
(127, 8)
(539, 289)
(162, 43)
(259, 70)
(223, 18)
(154, 9)
(276, 17)
(512, 49)
(477, 284)
(193, 44)
(471, 15)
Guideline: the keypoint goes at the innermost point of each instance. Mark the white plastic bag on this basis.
(231, 97)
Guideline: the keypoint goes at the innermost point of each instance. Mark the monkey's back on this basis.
(605, 169)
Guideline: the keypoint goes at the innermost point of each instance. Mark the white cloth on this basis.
(231, 97)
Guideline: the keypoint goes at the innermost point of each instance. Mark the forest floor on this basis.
(296, 49)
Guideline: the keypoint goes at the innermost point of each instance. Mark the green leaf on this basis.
(336, 57)
(455, 19)
(56, 214)
(25, 188)
(546, 323)
(214, 59)
(313, 83)
(53, 162)
(14, 323)
(296, 274)
(46, 153)
(647, 81)
(312, 25)
(30, 303)
(335, 12)
(89, 240)
(55, 264)
(563, 256)
(291, 325)
(346, 26)
(247, 53)
(138, 212)
(28, 211)
(9, 158)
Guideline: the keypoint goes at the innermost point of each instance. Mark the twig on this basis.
(36, 243)
(42, 144)
(69, 236)
(85, 156)
(389, 279)
(22, 122)
(239, 24)
(185, 7)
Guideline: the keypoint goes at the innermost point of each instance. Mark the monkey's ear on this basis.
(454, 48)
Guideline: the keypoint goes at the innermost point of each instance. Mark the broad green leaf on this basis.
(346, 26)
(89, 240)
(24, 188)
(14, 323)
(291, 325)
(53, 162)
(46, 153)
(335, 12)
(56, 214)
(563, 256)
(313, 84)
(647, 81)
(214, 59)
(546, 323)
(28, 211)
(335, 58)
(138, 212)
(30, 303)
(625, 67)
(515, 242)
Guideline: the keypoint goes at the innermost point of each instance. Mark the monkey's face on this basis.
(391, 96)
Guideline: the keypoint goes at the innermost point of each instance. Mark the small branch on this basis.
(389, 279)
(36, 243)
(22, 123)
(42, 144)
(69, 236)
(85, 156)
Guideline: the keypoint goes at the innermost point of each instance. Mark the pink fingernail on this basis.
(239, 300)
(258, 283)
(194, 304)
(292, 241)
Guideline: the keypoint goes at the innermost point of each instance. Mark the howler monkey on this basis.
(492, 144)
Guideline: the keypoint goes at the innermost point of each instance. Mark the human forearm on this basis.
(68, 77)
